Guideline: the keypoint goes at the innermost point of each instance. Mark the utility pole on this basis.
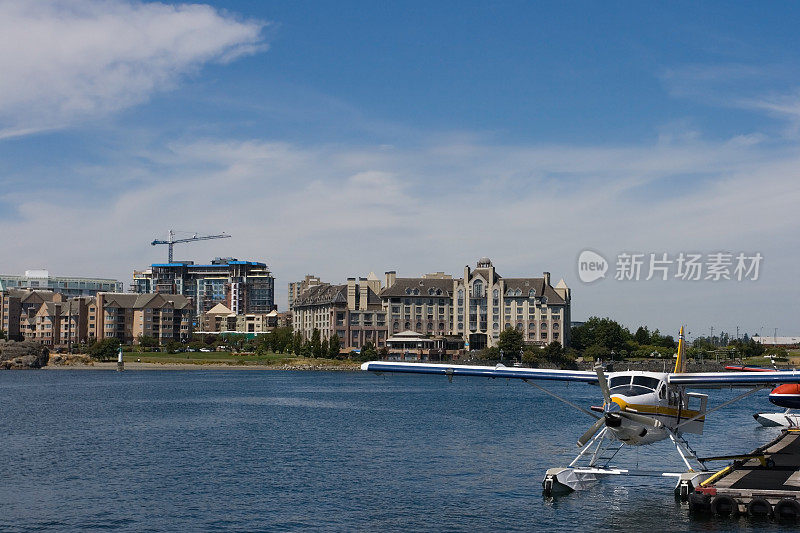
(737, 333)
(712, 337)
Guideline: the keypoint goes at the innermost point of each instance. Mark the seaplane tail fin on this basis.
(680, 362)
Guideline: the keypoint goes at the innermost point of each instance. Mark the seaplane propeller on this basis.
(612, 412)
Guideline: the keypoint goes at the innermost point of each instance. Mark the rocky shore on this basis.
(22, 355)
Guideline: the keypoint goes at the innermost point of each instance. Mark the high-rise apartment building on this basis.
(245, 287)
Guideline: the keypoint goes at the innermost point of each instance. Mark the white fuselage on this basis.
(648, 394)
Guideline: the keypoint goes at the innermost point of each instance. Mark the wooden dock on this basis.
(763, 484)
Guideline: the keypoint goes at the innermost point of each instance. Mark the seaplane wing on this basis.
(498, 371)
(716, 380)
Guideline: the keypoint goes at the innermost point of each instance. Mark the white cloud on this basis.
(66, 61)
(338, 211)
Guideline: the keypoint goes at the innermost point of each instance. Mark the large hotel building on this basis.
(436, 310)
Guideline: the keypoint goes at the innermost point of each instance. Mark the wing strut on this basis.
(559, 398)
(720, 406)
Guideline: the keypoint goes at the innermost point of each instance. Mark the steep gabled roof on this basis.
(441, 287)
(524, 285)
(123, 300)
(321, 295)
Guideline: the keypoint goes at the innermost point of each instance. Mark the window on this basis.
(532, 293)
(477, 289)
(496, 326)
(419, 326)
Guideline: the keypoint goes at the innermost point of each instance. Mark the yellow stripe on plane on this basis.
(656, 409)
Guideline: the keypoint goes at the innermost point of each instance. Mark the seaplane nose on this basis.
(614, 406)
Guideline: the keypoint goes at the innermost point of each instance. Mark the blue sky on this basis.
(340, 138)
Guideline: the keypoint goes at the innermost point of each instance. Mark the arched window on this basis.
(419, 326)
(460, 325)
(544, 326)
(496, 326)
(532, 326)
(555, 325)
(396, 326)
(408, 325)
(430, 326)
(496, 293)
(519, 326)
(477, 289)
(441, 325)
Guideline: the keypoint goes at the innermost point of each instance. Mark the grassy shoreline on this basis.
(200, 360)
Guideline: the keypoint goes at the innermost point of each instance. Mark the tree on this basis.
(368, 353)
(147, 342)
(602, 331)
(104, 350)
(553, 352)
(297, 343)
(2, 334)
(315, 345)
(511, 343)
(173, 346)
(595, 352)
(532, 356)
(642, 335)
(334, 345)
(324, 349)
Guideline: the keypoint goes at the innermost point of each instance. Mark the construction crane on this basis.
(172, 240)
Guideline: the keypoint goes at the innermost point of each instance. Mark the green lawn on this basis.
(229, 358)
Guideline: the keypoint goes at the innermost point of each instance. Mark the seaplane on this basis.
(786, 395)
(639, 408)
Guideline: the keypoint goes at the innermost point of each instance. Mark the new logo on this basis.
(591, 266)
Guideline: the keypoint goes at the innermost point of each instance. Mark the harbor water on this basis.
(236, 450)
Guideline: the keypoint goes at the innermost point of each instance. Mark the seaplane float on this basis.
(638, 409)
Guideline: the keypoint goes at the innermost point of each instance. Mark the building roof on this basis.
(161, 301)
(38, 296)
(419, 287)
(524, 285)
(219, 309)
(124, 300)
(322, 294)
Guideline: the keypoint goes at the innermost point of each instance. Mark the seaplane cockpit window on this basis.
(641, 385)
(619, 381)
(644, 381)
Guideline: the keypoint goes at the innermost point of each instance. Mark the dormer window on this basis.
(532, 293)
